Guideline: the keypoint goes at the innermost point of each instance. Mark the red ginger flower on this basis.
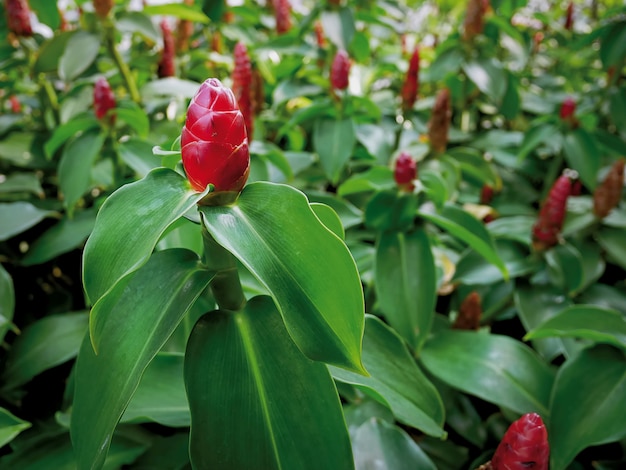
(18, 16)
(524, 446)
(439, 123)
(340, 71)
(608, 194)
(473, 23)
(568, 108)
(552, 214)
(282, 13)
(470, 312)
(319, 34)
(16, 106)
(242, 85)
(166, 64)
(569, 17)
(103, 100)
(102, 7)
(214, 144)
(405, 172)
(486, 194)
(411, 81)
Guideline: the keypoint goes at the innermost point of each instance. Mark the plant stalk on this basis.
(131, 86)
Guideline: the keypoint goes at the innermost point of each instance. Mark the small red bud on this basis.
(524, 446)
(319, 35)
(242, 85)
(166, 64)
(214, 144)
(577, 188)
(411, 81)
(568, 108)
(102, 7)
(552, 214)
(470, 313)
(405, 172)
(569, 17)
(439, 123)
(486, 194)
(18, 16)
(608, 194)
(16, 106)
(103, 100)
(340, 71)
(282, 13)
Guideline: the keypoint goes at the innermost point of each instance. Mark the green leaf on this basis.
(339, 26)
(10, 426)
(329, 218)
(7, 302)
(587, 404)
(255, 400)
(498, 369)
(396, 380)
(585, 321)
(65, 131)
(134, 117)
(129, 325)
(378, 178)
(47, 12)
(333, 140)
(42, 345)
(160, 396)
(467, 228)
(406, 283)
(129, 224)
(179, 10)
(18, 217)
(612, 241)
(80, 51)
(534, 137)
(138, 155)
(489, 76)
(381, 445)
(581, 154)
(391, 210)
(75, 166)
(214, 9)
(61, 238)
(51, 51)
(565, 265)
(306, 268)
(22, 183)
(170, 86)
(137, 22)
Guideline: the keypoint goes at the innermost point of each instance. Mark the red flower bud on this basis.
(16, 106)
(486, 194)
(411, 81)
(537, 39)
(552, 214)
(473, 24)
(214, 144)
(524, 445)
(258, 92)
(18, 16)
(319, 35)
(568, 108)
(470, 312)
(282, 13)
(340, 71)
(166, 64)
(242, 85)
(569, 17)
(103, 100)
(577, 188)
(405, 172)
(102, 7)
(608, 194)
(439, 123)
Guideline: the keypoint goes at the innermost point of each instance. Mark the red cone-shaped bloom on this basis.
(473, 24)
(214, 143)
(18, 17)
(439, 123)
(405, 172)
(608, 194)
(552, 214)
(242, 85)
(102, 7)
(411, 81)
(166, 64)
(320, 39)
(524, 446)
(486, 194)
(470, 312)
(340, 71)
(103, 100)
(282, 12)
(568, 108)
(569, 17)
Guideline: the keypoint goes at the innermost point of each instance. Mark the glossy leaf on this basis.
(128, 226)
(406, 283)
(64, 132)
(566, 268)
(138, 155)
(402, 387)
(534, 137)
(329, 218)
(498, 369)
(488, 76)
(581, 154)
(7, 301)
(255, 400)
(587, 404)
(22, 183)
(585, 321)
(333, 141)
(46, 12)
(339, 26)
(306, 268)
(10, 426)
(43, 344)
(612, 240)
(179, 10)
(80, 51)
(129, 325)
(391, 210)
(18, 217)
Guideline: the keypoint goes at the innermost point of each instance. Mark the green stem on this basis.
(51, 95)
(225, 286)
(131, 86)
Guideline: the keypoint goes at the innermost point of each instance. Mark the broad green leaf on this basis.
(349, 214)
(273, 154)
(255, 400)
(22, 183)
(467, 228)
(214, 9)
(534, 137)
(16, 148)
(446, 455)
(585, 321)
(406, 283)
(602, 295)
(136, 22)
(160, 396)
(391, 211)
(7, 302)
(128, 226)
(498, 369)
(47, 12)
(134, 117)
(384, 446)
(461, 415)
(306, 268)
(329, 218)
(179, 10)
(65, 131)
(76, 164)
(10, 426)
(51, 51)
(474, 165)
(42, 345)
(130, 325)
(18, 217)
(169, 452)
(80, 51)
(489, 76)
(66, 235)
(565, 267)
(333, 141)
(612, 241)
(378, 178)
(377, 140)
(338, 26)
(581, 154)
(138, 155)
(587, 404)
(396, 380)
(170, 86)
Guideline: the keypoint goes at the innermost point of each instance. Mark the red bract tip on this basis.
(524, 446)
(18, 17)
(552, 214)
(214, 144)
(103, 100)
(608, 194)
(319, 35)
(16, 106)
(102, 7)
(569, 16)
(166, 64)
(470, 312)
(411, 81)
(568, 108)
(340, 71)
(473, 24)
(486, 194)
(282, 12)
(405, 172)
(242, 85)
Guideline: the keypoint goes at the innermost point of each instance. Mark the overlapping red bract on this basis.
(410, 86)
(168, 54)
(552, 214)
(282, 12)
(569, 17)
(340, 71)
(608, 194)
(103, 100)
(470, 313)
(439, 123)
(18, 17)
(102, 7)
(473, 24)
(242, 85)
(214, 143)
(568, 108)
(524, 446)
(405, 171)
